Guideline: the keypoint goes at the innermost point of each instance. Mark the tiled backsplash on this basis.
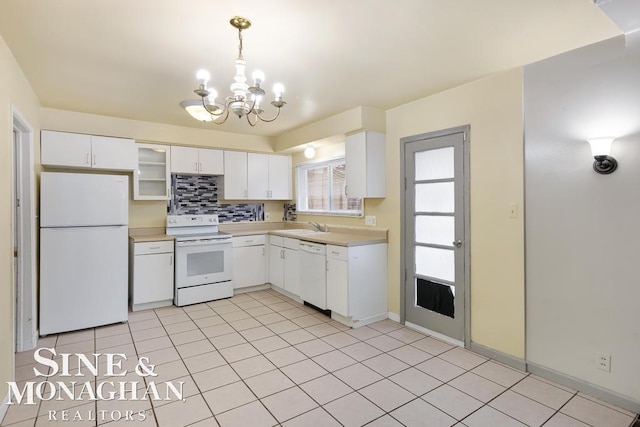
(290, 213)
(196, 194)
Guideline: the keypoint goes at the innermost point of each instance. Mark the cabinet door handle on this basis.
(246, 194)
(170, 259)
(88, 156)
(326, 265)
(196, 163)
(263, 251)
(200, 167)
(282, 253)
(94, 160)
(154, 247)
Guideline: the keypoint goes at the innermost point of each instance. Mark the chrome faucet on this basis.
(319, 227)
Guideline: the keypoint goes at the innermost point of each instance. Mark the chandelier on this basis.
(245, 100)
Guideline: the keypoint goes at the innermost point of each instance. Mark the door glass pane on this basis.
(436, 263)
(434, 164)
(435, 297)
(437, 230)
(435, 197)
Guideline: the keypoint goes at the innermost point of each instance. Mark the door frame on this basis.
(25, 314)
(466, 129)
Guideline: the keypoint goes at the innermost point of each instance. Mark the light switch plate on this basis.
(267, 216)
(370, 220)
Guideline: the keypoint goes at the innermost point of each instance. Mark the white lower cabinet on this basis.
(357, 283)
(284, 264)
(150, 274)
(249, 261)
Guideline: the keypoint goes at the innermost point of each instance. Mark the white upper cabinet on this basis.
(202, 161)
(76, 150)
(280, 177)
(184, 160)
(211, 162)
(235, 176)
(365, 162)
(258, 179)
(152, 179)
(267, 176)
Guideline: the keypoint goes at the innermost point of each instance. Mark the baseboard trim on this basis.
(393, 316)
(585, 387)
(435, 334)
(238, 291)
(4, 407)
(499, 356)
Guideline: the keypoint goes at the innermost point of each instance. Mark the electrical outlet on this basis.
(370, 220)
(513, 210)
(604, 362)
(267, 216)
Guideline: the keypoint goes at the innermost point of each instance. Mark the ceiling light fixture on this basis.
(600, 149)
(245, 100)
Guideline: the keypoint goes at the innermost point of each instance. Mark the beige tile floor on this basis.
(262, 359)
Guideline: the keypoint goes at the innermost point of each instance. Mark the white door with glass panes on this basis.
(435, 232)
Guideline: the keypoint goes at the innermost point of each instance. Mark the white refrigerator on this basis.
(83, 250)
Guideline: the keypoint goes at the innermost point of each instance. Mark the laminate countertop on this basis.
(337, 235)
(152, 234)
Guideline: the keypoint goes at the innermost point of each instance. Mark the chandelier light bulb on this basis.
(258, 77)
(203, 77)
(211, 98)
(278, 90)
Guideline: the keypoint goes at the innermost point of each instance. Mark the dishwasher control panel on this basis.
(313, 248)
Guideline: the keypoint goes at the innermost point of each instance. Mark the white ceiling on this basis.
(137, 58)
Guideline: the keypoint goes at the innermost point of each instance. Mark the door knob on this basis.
(457, 243)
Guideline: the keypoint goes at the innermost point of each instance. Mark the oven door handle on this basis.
(205, 242)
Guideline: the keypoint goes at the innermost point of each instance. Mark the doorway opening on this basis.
(24, 235)
(435, 234)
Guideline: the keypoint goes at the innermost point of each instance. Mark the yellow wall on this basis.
(16, 92)
(493, 108)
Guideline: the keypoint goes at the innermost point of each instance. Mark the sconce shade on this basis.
(309, 152)
(600, 146)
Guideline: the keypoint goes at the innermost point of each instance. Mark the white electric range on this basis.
(203, 269)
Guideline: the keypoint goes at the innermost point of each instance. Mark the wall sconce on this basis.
(600, 148)
(309, 152)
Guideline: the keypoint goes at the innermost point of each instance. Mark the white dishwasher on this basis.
(313, 274)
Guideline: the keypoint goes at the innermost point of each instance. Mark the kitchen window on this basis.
(321, 188)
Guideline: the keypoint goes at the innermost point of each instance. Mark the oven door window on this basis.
(204, 263)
